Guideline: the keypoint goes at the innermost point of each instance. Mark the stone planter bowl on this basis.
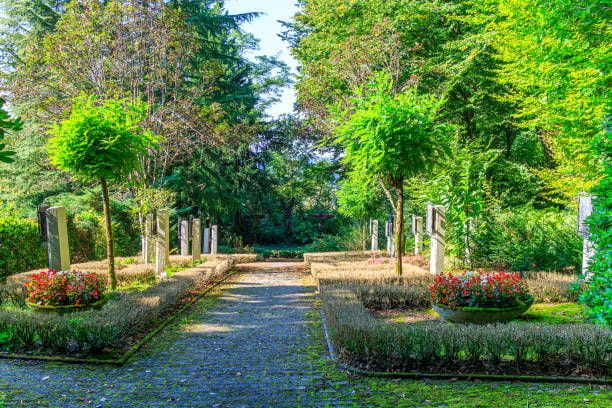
(66, 309)
(481, 315)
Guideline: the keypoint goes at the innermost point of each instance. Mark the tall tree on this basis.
(101, 142)
(391, 139)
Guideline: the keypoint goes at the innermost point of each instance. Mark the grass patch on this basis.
(556, 313)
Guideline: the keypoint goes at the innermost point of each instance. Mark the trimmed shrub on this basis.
(20, 246)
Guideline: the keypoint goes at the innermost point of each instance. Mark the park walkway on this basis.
(249, 349)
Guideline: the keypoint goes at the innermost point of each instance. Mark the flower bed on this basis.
(63, 289)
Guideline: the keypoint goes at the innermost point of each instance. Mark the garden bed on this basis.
(380, 323)
(130, 314)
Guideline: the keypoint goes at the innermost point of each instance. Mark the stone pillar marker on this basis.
(390, 237)
(184, 234)
(436, 229)
(214, 239)
(206, 241)
(162, 242)
(374, 232)
(585, 209)
(148, 250)
(417, 231)
(196, 239)
(57, 235)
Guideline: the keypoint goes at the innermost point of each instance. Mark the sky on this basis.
(266, 28)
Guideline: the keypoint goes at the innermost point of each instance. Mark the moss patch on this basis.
(556, 313)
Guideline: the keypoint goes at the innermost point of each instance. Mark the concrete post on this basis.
(206, 241)
(184, 225)
(374, 232)
(417, 231)
(214, 239)
(585, 209)
(148, 254)
(196, 239)
(436, 229)
(162, 242)
(57, 234)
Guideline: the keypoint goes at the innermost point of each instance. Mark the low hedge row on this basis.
(437, 346)
(110, 327)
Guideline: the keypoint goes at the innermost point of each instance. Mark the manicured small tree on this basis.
(7, 123)
(391, 138)
(101, 141)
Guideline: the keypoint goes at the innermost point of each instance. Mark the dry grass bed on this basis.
(381, 322)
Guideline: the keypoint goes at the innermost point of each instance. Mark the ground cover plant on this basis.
(131, 310)
(380, 322)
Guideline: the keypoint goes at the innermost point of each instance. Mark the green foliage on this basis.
(6, 124)
(528, 239)
(392, 137)
(21, 248)
(599, 294)
(100, 141)
(556, 59)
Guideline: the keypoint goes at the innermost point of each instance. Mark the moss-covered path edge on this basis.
(257, 341)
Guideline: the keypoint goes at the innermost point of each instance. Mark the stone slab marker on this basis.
(417, 231)
(57, 235)
(390, 237)
(214, 239)
(374, 232)
(436, 229)
(162, 242)
(184, 234)
(196, 239)
(206, 241)
(585, 209)
(148, 250)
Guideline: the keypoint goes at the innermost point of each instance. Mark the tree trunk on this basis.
(399, 228)
(109, 236)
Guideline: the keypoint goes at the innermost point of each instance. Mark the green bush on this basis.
(599, 294)
(20, 246)
(528, 239)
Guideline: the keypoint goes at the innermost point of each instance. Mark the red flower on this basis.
(60, 288)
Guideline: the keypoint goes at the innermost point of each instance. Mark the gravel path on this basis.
(248, 350)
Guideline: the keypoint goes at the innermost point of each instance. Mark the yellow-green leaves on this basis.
(100, 139)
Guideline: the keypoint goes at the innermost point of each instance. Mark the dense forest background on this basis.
(523, 87)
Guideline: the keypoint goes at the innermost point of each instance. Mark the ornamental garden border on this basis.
(220, 273)
(347, 322)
